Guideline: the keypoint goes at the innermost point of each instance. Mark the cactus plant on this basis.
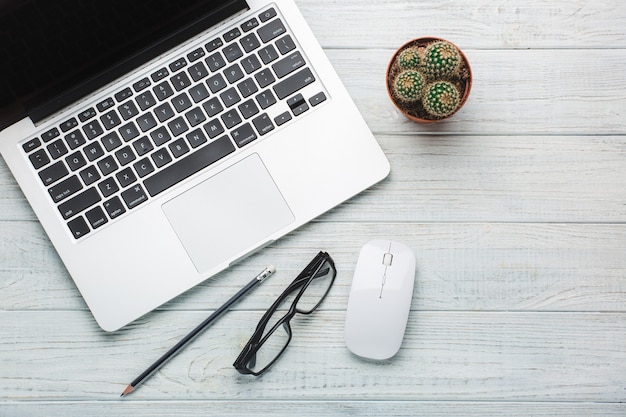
(409, 59)
(428, 79)
(441, 98)
(441, 59)
(408, 85)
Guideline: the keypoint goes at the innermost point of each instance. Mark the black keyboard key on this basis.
(263, 124)
(267, 15)
(268, 54)
(283, 118)
(198, 71)
(250, 64)
(181, 102)
(198, 93)
(232, 52)
(164, 112)
(265, 99)
(249, 42)
(231, 118)
(163, 90)
(215, 62)
(189, 165)
(87, 114)
(134, 196)
(285, 44)
(114, 207)
(230, 97)
(31, 145)
(128, 110)
(108, 187)
(233, 73)
(288, 65)
(96, 217)
(161, 157)
(195, 55)
(110, 120)
(53, 173)
(145, 100)
(75, 161)
(243, 135)
(57, 149)
(264, 77)
(214, 44)
(160, 74)
(75, 139)
(50, 134)
(65, 189)
(247, 87)
(93, 151)
(143, 167)
(89, 175)
(196, 138)
(129, 131)
(111, 141)
(178, 148)
(178, 126)
(178, 65)
(249, 25)
(78, 227)
(39, 159)
(107, 165)
(294, 83)
(79, 203)
(142, 146)
(216, 83)
(92, 129)
(141, 84)
(180, 81)
(123, 95)
(272, 30)
(125, 155)
(214, 128)
(232, 35)
(212, 107)
(126, 177)
(146, 122)
(195, 116)
(69, 124)
(160, 136)
(317, 99)
(105, 105)
(248, 109)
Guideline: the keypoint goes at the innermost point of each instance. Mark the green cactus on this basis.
(441, 99)
(441, 59)
(409, 58)
(408, 85)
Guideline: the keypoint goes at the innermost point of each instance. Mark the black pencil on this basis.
(170, 353)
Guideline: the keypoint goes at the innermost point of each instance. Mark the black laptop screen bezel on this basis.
(22, 57)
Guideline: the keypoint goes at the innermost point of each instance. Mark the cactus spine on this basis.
(408, 85)
(441, 99)
(441, 59)
(409, 59)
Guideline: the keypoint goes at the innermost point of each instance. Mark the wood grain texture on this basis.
(515, 207)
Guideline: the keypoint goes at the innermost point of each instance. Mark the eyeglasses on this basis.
(273, 333)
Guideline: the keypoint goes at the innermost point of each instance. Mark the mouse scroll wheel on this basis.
(387, 259)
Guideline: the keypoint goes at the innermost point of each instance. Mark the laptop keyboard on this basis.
(111, 158)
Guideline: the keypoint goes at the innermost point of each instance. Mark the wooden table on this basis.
(515, 208)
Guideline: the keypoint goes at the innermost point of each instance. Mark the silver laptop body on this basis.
(135, 229)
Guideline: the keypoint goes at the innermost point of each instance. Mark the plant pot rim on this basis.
(425, 40)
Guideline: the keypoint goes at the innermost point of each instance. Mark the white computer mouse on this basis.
(380, 299)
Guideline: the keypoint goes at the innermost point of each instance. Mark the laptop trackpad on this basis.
(228, 213)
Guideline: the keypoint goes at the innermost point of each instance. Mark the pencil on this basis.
(202, 326)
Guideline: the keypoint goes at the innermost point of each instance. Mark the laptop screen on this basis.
(53, 52)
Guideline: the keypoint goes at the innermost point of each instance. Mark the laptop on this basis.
(160, 142)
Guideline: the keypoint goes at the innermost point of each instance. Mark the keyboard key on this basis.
(107, 166)
(69, 124)
(110, 120)
(317, 99)
(50, 134)
(212, 107)
(141, 84)
(92, 129)
(108, 187)
(214, 128)
(215, 62)
(114, 207)
(126, 177)
(265, 99)
(53, 173)
(111, 141)
(196, 138)
(231, 119)
(288, 65)
(249, 42)
(283, 118)
(161, 157)
(164, 112)
(123, 95)
(178, 65)
(89, 175)
(181, 102)
(195, 116)
(128, 110)
(146, 122)
(76, 161)
(216, 83)
(267, 15)
(87, 114)
(31, 145)
(93, 151)
(285, 44)
(233, 73)
(105, 105)
(143, 167)
(232, 52)
(268, 54)
(134, 196)
(78, 227)
(178, 148)
(264, 78)
(214, 44)
(160, 74)
(65, 189)
(272, 30)
(198, 93)
(294, 83)
(160, 136)
(230, 97)
(250, 64)
(96, 217)
(248, 109)
(195, 55)
(39, 159)
(163, 90)
(75, 139)
(79, 203)
(232, 35)
(243, 135)
(189, 165)
(180, 81)
(145, 100)
(129, 131)
(57, 149)
(263, 124)
(142, 146)
(178, 126)
(249, 25)
(247, 87)
(125, 155)
(198, 71)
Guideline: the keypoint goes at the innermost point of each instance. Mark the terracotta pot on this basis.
(415, 111)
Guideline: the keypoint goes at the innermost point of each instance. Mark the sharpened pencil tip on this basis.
(127, 391)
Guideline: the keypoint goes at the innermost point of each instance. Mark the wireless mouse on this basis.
(380, 299)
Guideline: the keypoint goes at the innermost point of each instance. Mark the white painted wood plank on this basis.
(483, 24)
(461, 266)
(571, 357)
(290, 408)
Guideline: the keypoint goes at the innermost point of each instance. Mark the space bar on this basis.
(189, 165)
